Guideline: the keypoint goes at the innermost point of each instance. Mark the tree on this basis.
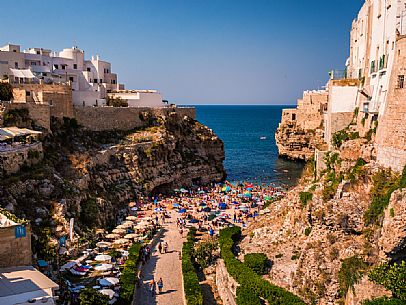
(90, 296)
(6, 92)
(392, 277)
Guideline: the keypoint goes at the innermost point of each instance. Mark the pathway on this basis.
(168, 266)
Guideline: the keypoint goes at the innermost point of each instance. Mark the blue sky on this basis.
(197, 52)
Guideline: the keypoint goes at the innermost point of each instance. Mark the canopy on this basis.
(12, 132)
(22, 73)
(109, 292)
(181, 211)
(108, 281)
(119, 231)
(103, 267)
(68, 265)
(121, 241)
(102, 258)
(131, 236)
(131, 218)
(112, 236)
(103, 244)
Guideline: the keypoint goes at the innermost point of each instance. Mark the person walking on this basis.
(152, 287)
(160, 285)
(165, 247)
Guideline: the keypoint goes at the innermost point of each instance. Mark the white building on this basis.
(25, 285)
(91, 80)
(373, 41)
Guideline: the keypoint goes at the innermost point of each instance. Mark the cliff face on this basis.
(301, 129)
(322, 223)
(91, 176)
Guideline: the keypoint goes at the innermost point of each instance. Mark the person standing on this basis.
(152, 286)
(160, 247)
(160, 285)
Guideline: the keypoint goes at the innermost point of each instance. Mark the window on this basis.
(28, 93)
(95, 80)
(16, 65)
(88, 69)
(75, 66)
(50, 102)
(56, 66)
(71, 78)
(38, 52)
(101, 81)
(293, 117)
(401, 81)
(63, 67)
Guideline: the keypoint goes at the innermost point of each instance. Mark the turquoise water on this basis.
(248, 158)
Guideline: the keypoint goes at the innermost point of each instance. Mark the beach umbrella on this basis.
(103, 244)
(103, 267)
(121, 241)
(176, 190)
(68, 265)
(235, 202)
(108, 281)
(147, 218)
(127, 224)
(109, 292)
(247, 195)
(266, 198)
(131, 236)
(102, 258)
(202, 204)
(134, 209)
(131, 217)
(222, 206)
(181, 211)
(206, 209)
(119, 231)
(132, 204)
(112, 236)
(176, 205)
(201, 192)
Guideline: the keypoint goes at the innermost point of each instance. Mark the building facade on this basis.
(90, 80)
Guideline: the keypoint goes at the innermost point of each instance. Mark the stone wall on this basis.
(14, 251)
(12, 161)
(226, 285)
(336, 122)
(126, 118)
(391, 132)
(40, 113)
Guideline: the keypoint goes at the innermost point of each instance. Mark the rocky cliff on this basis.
(326, 229)
(91, 176)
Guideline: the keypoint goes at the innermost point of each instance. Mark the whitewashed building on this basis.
(91, 80)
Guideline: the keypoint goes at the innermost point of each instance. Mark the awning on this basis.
(22, 73)
(12, 132)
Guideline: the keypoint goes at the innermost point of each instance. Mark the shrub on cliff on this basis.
(245, 297)
(305, 197)
(352, 270)
(392, 277)
(89, 212)
(6, 92)
(258, 262)
(385, 183)
(384, 301)
(116, 102)
(254, 286)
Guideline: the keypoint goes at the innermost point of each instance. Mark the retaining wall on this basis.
(226, 285)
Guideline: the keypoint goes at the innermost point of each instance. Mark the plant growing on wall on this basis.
(6, 92)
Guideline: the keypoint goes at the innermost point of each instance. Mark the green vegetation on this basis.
(344, 135)
(307, 231)
(305, 197)
(254, 287)
(12, 217)
(352, 270)
(244, 297)
(17, 117)
(357, 171)
(204, 253)
(257, 262)
(384, 301)
(128, 277)
(6, 92)
(193, 291)
(89, 212)
(90, 296)
(392, 277)
(385, 183)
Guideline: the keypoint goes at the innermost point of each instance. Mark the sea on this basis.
(248, 133)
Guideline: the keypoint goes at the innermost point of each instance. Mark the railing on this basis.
(338, 74)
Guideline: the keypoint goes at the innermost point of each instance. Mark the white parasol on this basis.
(102, 258)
